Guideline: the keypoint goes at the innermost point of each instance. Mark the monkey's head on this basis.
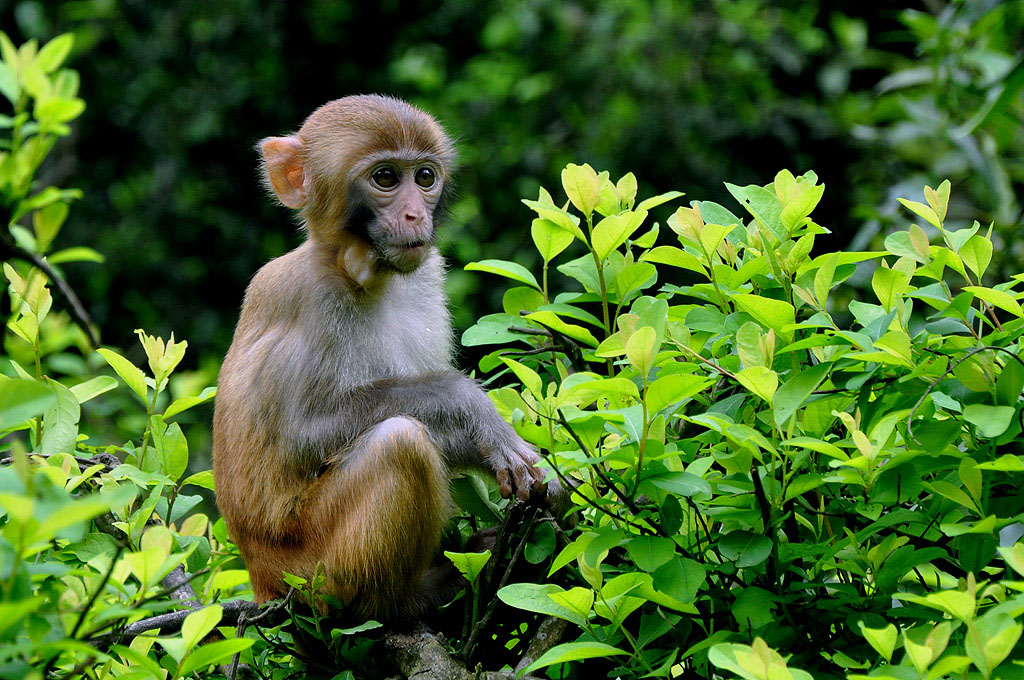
(367, 174)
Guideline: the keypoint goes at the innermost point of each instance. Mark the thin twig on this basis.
(568, 346)
(61, 287)
(474, 635)
(244, 622)
(81, 460)
(626, 500)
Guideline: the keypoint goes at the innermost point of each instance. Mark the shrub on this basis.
(776, 473)
(767, 459)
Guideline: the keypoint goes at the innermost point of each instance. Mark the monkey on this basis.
(340, 415)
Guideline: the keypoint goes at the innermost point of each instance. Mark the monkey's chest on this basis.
(395, 342)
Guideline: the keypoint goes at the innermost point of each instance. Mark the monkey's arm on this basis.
(459, 415)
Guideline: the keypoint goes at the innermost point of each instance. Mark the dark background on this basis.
(687, 95)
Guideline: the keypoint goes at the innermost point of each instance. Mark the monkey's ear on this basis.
(284, 168)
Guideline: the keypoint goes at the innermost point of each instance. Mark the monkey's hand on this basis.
(516, 469)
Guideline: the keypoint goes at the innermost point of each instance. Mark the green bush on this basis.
(772, 476)
(764, 461)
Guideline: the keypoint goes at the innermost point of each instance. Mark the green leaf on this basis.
(938, 200)
(492, 329)
(76, 254)
(470, 493)
(795, 391)
(674, 388)
(510, 270)
(578, 600)
(640, 349)
(1001, 633)
(1013, 555)
(612, 231)
(582, 186)
(745, 548)
(712, 235)
(650, 552)
(552, 321)
(203, 479)
(529, 377)
(626, 189)
(93, 387)
(22, 399)
(211, 654)
(361, 628)
(58, 110)
(655, 201)
(573, 651)
(900, 243)
(199, 623)
(60, 422)
(634, 277)
(534, 597)
(889, 285)
(9, 86)
(756, 662)
(775, 314)
(469, 564)
(999, 298)
(748, 345)
(12, 613)
(824, 277)
(185, 403)
(561, 218)
(550, 238)
(882, 640)
(1010, 383)
(46, 224)
(786, 187)
(956, 240)
(53, 53)
(976, 254)
(675, 257)
(760, 380)
(796, 211)
(679, 579)
(990, 421)
(129, 372)
(680, 483)
(763, 205)
(922, 210)
(172, 449)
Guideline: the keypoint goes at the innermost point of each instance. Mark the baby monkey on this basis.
(339, 413)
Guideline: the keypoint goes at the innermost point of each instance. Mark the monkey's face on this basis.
(395, 201)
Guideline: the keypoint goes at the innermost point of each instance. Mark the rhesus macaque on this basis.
(339, 413)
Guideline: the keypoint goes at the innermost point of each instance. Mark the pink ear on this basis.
(285, 169)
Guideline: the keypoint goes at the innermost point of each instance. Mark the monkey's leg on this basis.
(378, 514)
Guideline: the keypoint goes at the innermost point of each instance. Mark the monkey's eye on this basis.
(425, 177)
(385, 177)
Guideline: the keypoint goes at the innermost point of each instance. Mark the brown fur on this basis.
(338, 412)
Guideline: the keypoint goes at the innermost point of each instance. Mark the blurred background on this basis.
(878, 98)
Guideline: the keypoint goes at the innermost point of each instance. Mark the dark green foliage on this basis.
(686, 94)
(790, 461)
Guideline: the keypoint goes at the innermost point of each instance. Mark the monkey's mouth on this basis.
(412, 246)
(407, 256)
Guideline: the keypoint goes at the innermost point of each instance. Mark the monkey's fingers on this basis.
(538, 484)
(504, 482)
(524, 483)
